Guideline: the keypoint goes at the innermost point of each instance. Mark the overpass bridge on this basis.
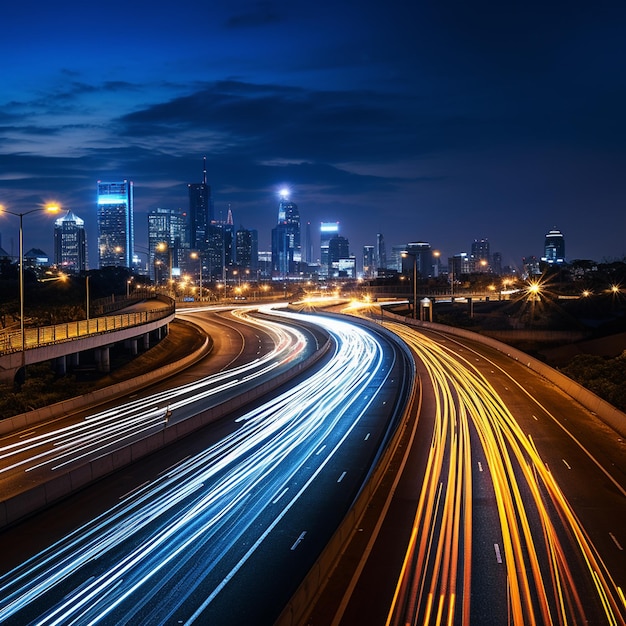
(63, 343)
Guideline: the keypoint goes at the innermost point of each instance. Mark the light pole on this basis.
(405, 254)
(162, 247)
(197, 255)
(87, 295)
(51, 209)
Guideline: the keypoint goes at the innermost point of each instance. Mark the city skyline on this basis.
(437, 123)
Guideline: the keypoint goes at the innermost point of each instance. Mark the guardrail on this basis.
(47, 335)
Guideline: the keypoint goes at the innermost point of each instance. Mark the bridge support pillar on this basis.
(103, 359)
(131, 344)
(74, 359)
(146, 341)
(60, 366)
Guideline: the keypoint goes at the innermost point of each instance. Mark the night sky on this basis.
(424, 120)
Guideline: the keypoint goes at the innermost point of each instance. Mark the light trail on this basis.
(539, 529)
(180, 538)
(111, 429)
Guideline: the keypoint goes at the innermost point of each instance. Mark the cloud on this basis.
(255, 15)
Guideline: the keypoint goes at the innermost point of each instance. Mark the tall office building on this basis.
(115, 223)
(200, 214)
(369, 268)
(328, 230)
(481, 255)
(424, 259)
(70, 243)
(247, 249)
(221, 247)
(307, 253)
(286, 247)
(554, 248)
(166, 242)
(381, 253)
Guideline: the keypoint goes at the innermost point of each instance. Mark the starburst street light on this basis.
(50, 208)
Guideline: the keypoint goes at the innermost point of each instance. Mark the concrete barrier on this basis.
(52, 411)
(610, 415)
(309, 591)
(41, 495)
(301, 603)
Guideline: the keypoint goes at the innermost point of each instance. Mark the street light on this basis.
(162, 247)
(404, 254)
(197, 255)
(53, 208)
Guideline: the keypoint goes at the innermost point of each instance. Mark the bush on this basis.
(603, 376)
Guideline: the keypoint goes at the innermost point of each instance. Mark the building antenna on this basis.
(204, 170)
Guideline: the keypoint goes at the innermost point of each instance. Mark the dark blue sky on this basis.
(435, 121)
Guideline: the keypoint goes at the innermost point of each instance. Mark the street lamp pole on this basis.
(51, 209)
(87, 295)
(406, 254)
(198, 255)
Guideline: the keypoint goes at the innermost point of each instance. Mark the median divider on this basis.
(380, 485)
(38, 496)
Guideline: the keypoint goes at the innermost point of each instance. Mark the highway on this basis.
(511, 508)
(249, 351)
(219, 528)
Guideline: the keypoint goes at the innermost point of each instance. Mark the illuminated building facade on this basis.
(70, 243)
(554, 248)
(166, 242)
(369, 268)
(381, 253)
(286, 247)
(115, 223)
(200, 214)
(328, 230)
(247, 249)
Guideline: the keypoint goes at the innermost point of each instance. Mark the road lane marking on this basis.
(280, 495)
(129, 493)
(567, 464)
(498, 555)
(367, 436)
(341, 477)
(298, 540)
(171, 467)
(320, 450)
(616, 542)
(480, 466)
(28, 434)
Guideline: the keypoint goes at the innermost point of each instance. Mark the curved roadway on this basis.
(511, 508)
(218, 528)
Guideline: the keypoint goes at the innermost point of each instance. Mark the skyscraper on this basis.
(481, 255)
(70, 243)
(166, 226)
(286, 248)
(220, 248)
(247, 249)
(554, 247)
(200, 213)
(381, 253)
(328, 230)
(423, 255)
(307, 253)
(368, 262)
(115, 223)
